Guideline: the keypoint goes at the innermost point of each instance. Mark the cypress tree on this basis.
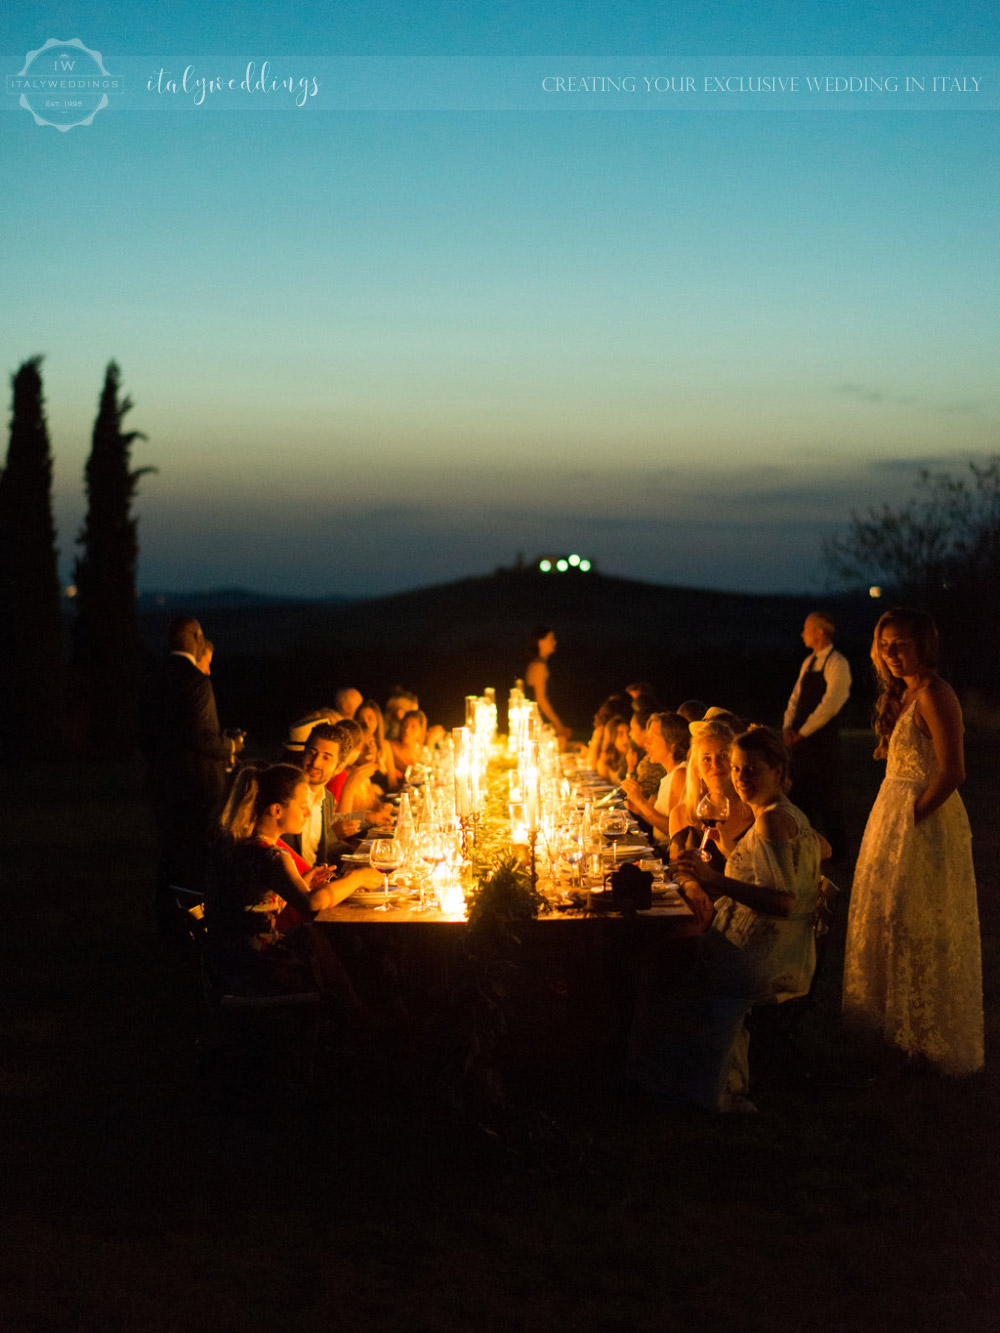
(32, 662)
(107, 645)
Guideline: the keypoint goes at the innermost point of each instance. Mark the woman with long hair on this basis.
(407, 750)
(370, 717)
(251, 877)
(913, 967)
(708, 773)
(668, 740)
(612, 761)
(542, 645)
(616, 705)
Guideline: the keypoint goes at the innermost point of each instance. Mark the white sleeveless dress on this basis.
(913, 967)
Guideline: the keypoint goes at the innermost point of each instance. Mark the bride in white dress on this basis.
(913, 969)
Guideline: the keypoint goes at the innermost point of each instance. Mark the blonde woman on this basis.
(708, 773)
(913, 968)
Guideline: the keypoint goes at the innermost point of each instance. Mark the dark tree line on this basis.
(939, 551)
(99, 712)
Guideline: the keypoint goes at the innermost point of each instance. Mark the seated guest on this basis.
(299, 732)
(349, 736)
(616, 705)
(692, 710)
(351, 782)
(399, 703)
(640, 691)
(736, 724)
(611, 761)
(408, 748)
(707, 774)
(370, 717)
(361, 793)
(649, 773)
(667, 739)
(322, 838)
(251, 879)
(689, 1043)
(434, 733)
(347, 701)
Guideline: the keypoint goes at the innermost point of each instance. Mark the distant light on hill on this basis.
(559, 564)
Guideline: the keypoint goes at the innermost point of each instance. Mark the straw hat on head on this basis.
(298, 732)
(717, 714)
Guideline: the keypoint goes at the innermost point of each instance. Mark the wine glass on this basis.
(573, 855)
(613, 825)
(433, 851)
(385, 855)
(712, 811)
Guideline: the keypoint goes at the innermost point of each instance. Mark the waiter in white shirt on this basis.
(812, 733)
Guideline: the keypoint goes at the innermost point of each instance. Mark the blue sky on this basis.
(378, 349)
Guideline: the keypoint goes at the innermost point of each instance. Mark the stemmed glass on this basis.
(712, 811)
(385, 855)
(433, 851)
(573, 855)
(613, 825)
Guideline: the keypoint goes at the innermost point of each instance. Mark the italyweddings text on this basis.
(199, 87)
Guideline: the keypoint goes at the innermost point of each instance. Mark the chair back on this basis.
(826, 906)
(823, 914)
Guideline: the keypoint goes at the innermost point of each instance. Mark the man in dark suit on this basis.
(188, 757)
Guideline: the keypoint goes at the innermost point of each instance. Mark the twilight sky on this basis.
(377, 348)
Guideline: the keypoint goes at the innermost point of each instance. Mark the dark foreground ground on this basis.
(132, 1205)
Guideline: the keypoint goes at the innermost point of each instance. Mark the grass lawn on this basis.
(131, 1207)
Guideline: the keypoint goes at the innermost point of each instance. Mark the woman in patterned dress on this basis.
(913, 968)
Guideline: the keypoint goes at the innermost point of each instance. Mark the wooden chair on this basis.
(248, 1042)
(773, 1023)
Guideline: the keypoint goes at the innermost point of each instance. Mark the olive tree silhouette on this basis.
(941, 551)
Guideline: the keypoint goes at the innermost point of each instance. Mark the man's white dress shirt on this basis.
(837, 674)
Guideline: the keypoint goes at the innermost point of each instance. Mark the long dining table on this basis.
(576, 963)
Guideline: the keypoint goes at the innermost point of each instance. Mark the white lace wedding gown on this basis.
(913, 965)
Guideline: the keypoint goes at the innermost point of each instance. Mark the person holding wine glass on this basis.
(690, 1043)
(709, 794)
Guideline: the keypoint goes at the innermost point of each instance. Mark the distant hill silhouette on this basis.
(274, 660)
(157, 599)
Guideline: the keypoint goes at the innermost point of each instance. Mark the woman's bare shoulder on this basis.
(679, 818)
(938, 703)
(776, 825)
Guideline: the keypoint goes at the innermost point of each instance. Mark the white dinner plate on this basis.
(372, 897)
